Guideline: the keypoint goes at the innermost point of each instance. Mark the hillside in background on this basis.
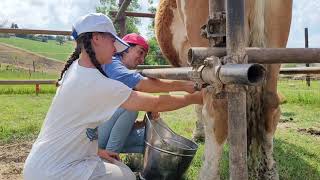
(34, 55)
(50, 49)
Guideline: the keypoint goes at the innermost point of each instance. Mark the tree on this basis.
(154, 56)
(14, 26)
(111, 5)
(3, 22)
(60, 39)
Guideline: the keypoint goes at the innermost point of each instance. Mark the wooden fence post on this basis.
(34, 66)
(37, 89)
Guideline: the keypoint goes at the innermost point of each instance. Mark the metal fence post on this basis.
(237, 118)
(306, 42)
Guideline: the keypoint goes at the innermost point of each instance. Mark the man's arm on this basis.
(161, 85)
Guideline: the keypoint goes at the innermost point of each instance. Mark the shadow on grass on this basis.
(292, 164)
(288, 114)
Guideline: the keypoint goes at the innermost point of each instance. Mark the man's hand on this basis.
(108, 155)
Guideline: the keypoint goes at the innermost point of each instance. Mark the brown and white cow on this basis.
(177, 27)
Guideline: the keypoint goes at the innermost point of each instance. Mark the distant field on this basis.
(49, 49)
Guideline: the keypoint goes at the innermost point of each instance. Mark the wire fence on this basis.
(295, 89)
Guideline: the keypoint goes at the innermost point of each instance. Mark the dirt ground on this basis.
(12, 158)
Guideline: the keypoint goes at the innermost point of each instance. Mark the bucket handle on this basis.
(163, 125)
(149, 121)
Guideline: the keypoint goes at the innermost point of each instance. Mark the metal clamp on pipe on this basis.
(212, 71)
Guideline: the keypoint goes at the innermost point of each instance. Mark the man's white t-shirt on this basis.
(62, 149)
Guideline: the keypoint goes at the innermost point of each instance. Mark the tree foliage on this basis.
(112, 5)
(3, 22)
(60, 39)
(154, 56)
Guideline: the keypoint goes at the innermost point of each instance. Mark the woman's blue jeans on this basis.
(118, 135)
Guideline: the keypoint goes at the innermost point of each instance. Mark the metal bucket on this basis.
(167, 155)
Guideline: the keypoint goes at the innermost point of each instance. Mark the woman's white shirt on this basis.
(62, 150)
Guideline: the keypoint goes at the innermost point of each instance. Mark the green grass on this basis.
(297, 154)
(11, 72)
(302, 116)
(21, 116)
(49, 49)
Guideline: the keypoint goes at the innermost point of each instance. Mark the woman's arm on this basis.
(139, 101)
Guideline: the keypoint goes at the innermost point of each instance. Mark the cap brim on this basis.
(120, 44)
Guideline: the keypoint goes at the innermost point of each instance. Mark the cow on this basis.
(267, 24)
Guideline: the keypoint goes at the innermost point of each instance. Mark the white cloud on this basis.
(305, 14)
(49, 14)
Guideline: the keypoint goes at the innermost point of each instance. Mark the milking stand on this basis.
(227, 73)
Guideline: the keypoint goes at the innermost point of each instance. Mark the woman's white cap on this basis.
(98, 22)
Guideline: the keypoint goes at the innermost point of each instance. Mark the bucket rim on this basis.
(165, 126)
(169, 152)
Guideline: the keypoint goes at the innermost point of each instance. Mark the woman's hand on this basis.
(108, 155)
(155, 115)
(197, 97)
(190, 87)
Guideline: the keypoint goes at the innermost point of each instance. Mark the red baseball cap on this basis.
(135, 38)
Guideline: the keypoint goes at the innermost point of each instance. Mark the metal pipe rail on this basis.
(167, 73)
(183, 73)
(260, 55)
(153, 66)
(249, 74)
(283, 55)
(300, 70)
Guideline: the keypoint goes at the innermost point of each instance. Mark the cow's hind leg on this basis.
(216, 131)
(272, 112)
(198, 132)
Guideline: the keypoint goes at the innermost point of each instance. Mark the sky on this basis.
(59, 15)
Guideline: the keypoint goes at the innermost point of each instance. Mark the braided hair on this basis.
(84, 40)
(88, 47)
(74, 56)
